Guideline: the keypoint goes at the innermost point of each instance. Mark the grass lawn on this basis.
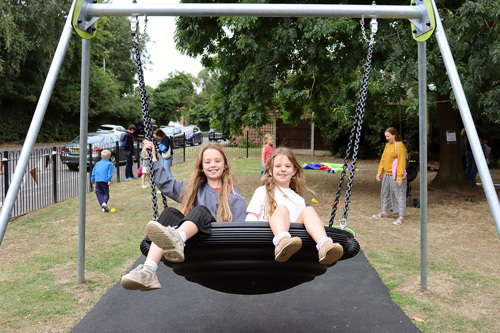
(39, 253)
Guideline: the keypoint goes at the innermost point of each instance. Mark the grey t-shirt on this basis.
(206, 195)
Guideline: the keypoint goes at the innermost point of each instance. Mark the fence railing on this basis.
(48, 180)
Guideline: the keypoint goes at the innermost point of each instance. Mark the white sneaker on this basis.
(399, 221)
(105, 207)
(144, 186)
(142, 278)
(168, 239)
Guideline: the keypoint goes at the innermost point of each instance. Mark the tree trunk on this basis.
(451, 173)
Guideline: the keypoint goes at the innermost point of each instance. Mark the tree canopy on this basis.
(312, 68)
(29, 35)
(172, 96)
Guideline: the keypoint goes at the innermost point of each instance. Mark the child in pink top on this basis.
(267, 149)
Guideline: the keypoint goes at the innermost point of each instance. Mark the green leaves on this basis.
(171, 96)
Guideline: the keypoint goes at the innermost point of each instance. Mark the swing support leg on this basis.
(36, 123)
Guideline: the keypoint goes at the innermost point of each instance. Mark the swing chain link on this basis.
(147, 121)
(373, 29)
(354, 137)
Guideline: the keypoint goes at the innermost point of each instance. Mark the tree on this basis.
(306, 65)
(473, 34)
(171, 96)
(301, 66)
(29, 35)
(200, 112)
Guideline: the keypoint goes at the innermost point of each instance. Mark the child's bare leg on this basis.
(155, 253)
(285, 245)
(311, 220)
(143, 176)
(189, 228)
(280, 220)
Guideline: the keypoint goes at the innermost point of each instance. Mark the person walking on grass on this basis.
(393, 174)
(165, 148)
(101, 179)
(128, 136)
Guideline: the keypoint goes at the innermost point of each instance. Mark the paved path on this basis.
(350, 297)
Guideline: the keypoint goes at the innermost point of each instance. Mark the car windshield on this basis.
(91, 139)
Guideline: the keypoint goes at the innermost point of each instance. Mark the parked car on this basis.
(70, 154)
(193, 135)
(216, 136)
(175, 134)
(111, 128)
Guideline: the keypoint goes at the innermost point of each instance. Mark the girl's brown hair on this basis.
(190, 191)
(159, 132)
(297, 183)
(394, 132)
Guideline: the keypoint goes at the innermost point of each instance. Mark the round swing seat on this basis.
(238, 258)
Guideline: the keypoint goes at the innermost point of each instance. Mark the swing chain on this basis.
(147, 121)
(354, 137)
(373, 29)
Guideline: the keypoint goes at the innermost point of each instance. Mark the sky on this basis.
(164, 56)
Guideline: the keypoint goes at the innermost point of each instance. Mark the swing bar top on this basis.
(87, 12)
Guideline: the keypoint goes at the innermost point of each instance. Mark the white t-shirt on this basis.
(294, 202)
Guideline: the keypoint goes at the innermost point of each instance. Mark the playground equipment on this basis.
(423, 16)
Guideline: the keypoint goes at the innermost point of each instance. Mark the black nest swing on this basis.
(238, 257)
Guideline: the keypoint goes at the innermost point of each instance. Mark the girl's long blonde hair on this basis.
(190, 191)
(297, 183)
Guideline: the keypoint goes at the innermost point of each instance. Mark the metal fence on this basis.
(47, 180)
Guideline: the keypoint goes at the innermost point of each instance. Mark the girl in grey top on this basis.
(208, 196)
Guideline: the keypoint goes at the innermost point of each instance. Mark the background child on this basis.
(145, 169)
(209, 196)
(393, 187)
(280, 202)
(101, 179)
(267, 149)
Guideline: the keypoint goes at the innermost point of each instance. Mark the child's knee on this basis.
(309, 210)
(281, 211)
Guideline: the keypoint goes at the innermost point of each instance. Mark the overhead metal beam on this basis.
(261, 10)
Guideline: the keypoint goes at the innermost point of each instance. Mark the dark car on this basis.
(216, 136)
(176, 136)
(193, 135)
(70, 154)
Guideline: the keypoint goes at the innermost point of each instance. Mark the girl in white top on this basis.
(279, 200)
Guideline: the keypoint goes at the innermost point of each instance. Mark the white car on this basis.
(112, 128)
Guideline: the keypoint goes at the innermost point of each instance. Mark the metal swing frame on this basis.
(85, 13)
